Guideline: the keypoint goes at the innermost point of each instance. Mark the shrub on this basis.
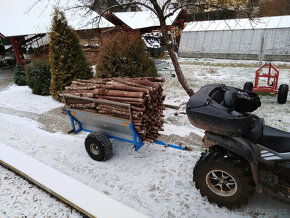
(19, 76)
(38, 76)
(124, 55)
(66, 58)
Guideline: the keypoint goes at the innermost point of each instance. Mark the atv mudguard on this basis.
(237, 145)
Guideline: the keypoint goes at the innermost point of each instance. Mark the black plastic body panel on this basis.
(206, 110)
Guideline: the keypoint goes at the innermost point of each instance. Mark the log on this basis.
(92, 105)
(79, 87)
(108, 92)
(176, 107)
(146, 83)
(122, 99)
(138, 108)
(126, 88)
(130, 83)
(99, 81)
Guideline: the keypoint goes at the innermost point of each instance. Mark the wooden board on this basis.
(81, 197)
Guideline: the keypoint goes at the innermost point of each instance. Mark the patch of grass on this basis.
(208, 70)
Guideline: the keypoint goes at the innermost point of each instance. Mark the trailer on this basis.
(271, 76)
(103, 127)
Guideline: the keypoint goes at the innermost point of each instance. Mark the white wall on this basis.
(276, 41)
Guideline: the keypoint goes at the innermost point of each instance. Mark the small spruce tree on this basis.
(38, 76)
(19, 76)
(124, 55)
(66, 58)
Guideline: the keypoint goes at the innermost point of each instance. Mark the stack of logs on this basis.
(145, 96)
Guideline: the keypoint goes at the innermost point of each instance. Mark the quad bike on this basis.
(243, 155)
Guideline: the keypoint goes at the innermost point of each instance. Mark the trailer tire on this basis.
(248, 87)
(282, 93)
(225, 180)
(98, 146)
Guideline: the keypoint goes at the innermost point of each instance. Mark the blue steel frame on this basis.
(137, 141)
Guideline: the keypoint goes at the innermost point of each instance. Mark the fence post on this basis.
(261, 50)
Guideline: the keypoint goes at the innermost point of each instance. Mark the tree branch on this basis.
(165, 5)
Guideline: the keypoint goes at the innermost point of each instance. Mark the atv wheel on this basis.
(225, 179)
(248, 86)
(282, 93)
(98, 146)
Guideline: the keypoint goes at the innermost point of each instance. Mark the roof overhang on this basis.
(29, 17)
(143, 19)
(239, 24)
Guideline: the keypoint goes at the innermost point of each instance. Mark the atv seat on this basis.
(241, 101)
(275, 139)
(257, 132)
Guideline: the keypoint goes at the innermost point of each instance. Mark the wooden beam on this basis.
(16, 44)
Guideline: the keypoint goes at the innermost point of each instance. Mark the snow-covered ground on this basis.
(199, 72)
(19, 198)
(154, 181)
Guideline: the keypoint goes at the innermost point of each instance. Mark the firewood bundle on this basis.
(145, 96)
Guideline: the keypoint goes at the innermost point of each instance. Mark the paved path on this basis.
(18, 194)
(6, 78)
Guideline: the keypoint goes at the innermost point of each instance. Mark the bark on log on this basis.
(130, 83)
(123, 99)
(126, 88)
(108, 92)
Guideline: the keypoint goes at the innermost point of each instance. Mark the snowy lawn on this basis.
(21, 98)
(154, 181)
(199, 72)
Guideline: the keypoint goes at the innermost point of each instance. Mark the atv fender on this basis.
(237, 145)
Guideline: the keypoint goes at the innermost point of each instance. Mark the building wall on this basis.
(236, 42)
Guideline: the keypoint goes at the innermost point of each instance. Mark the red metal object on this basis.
(16, 44)
(272, 79)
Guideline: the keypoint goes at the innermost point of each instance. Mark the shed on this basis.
(146, 21)
(265, 38)
(21, 18)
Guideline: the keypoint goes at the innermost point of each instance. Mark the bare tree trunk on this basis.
(169, 46)
(179, 73)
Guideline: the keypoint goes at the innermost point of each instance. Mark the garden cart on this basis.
(102, 127)
(271, 77)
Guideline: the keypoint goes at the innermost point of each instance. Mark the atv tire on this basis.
(224, 178)
(282, 93)
(98, 146)
(248, 87)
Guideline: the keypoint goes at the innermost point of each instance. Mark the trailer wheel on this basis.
(282, 93)
(225, 180)
(98, 146)
(248, 86)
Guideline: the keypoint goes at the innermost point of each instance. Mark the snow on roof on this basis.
(18, 17)
(238, 24)
(143, 19)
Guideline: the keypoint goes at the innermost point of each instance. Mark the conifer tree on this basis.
(124, 55)
(19, 76)
(66, 58)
